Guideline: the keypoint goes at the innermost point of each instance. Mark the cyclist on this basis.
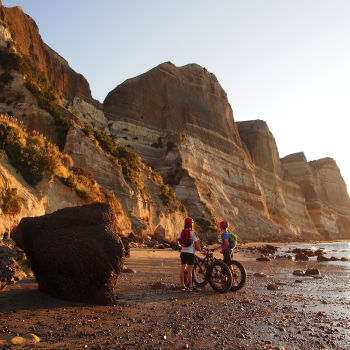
(229, 241)
(187, 240)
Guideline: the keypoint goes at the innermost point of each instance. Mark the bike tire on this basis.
(239, 275)
(219, 276)
(199, 274)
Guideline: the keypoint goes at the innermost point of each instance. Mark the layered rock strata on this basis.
(179, 121)
(284, 199)
(325, 193)
(144, 207)
(19, 33)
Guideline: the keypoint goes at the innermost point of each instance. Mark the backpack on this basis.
(185, 240)
(232, 240)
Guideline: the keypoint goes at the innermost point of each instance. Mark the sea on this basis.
(337, 249)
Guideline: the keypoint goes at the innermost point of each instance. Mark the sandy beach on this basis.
(152, 313)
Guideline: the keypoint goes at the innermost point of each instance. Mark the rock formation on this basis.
(10, 271)
(325, 194)
(19, 33)
(180, 123)
(75, 253)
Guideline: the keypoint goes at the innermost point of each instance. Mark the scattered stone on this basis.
(259, 274)
(298, 273)
(273, 286)
(128, 270)
(20, 340)
(263, 258)
(158, 285)
(301, 256)
(298, 281)
(322, 258)
(310, 272)
(10, 271)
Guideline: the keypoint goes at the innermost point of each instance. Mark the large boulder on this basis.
(75, 253)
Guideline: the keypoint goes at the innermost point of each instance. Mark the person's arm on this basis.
(225, 246)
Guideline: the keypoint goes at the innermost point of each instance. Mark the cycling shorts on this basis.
(187, 258)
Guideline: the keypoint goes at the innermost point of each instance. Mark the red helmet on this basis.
(224, 224)
(188, 222)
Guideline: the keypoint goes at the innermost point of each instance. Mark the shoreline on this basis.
(152, 313)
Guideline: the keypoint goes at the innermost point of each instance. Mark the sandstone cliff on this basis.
(179, 120)
(325, 193)
(19, 33)
(178, 130)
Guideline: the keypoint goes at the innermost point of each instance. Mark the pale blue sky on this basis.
(284, 61)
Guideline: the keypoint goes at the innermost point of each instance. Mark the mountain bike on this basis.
(213, 271)
(239, 274)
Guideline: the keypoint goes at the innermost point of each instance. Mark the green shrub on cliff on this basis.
(11, 202)
(32, 156)
(120, 155)
(29, 160)
(170, 199)
(38, 85)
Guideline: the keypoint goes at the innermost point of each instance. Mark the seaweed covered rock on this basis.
(10, 271)
(75, 253)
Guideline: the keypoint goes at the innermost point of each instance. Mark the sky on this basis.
(284, 61)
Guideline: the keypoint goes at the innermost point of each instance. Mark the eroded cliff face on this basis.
(179, 121)
(284, 199)
(148, 215)
(48, 196)
(19, 33)
(325, 194)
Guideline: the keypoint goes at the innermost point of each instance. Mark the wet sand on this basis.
(309, 314)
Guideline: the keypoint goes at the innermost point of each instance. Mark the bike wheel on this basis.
(219, 276)
(199, 274)
(239, 275)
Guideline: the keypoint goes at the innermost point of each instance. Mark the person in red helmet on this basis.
(229, 241)
(187, 240)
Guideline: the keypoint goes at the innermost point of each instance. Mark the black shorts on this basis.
(187, 258)
(227, 256)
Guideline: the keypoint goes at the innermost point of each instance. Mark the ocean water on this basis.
(336, 249)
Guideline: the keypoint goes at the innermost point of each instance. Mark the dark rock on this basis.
(322, 258)
(263, 258)
(310, 272)
(75, 253)
(298, 273)
(259, 274)
(301, 256)
(10, 271)
(273, 286)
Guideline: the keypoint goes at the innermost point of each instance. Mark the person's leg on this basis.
(182, 274)
(189, 274)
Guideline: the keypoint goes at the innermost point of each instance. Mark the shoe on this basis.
(193, 289)
(184, 288)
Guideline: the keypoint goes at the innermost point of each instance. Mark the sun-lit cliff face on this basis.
(180, 121)
(173, 129)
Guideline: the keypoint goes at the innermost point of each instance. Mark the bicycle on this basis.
(239, 274)
(213, 271)
(201, 277)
